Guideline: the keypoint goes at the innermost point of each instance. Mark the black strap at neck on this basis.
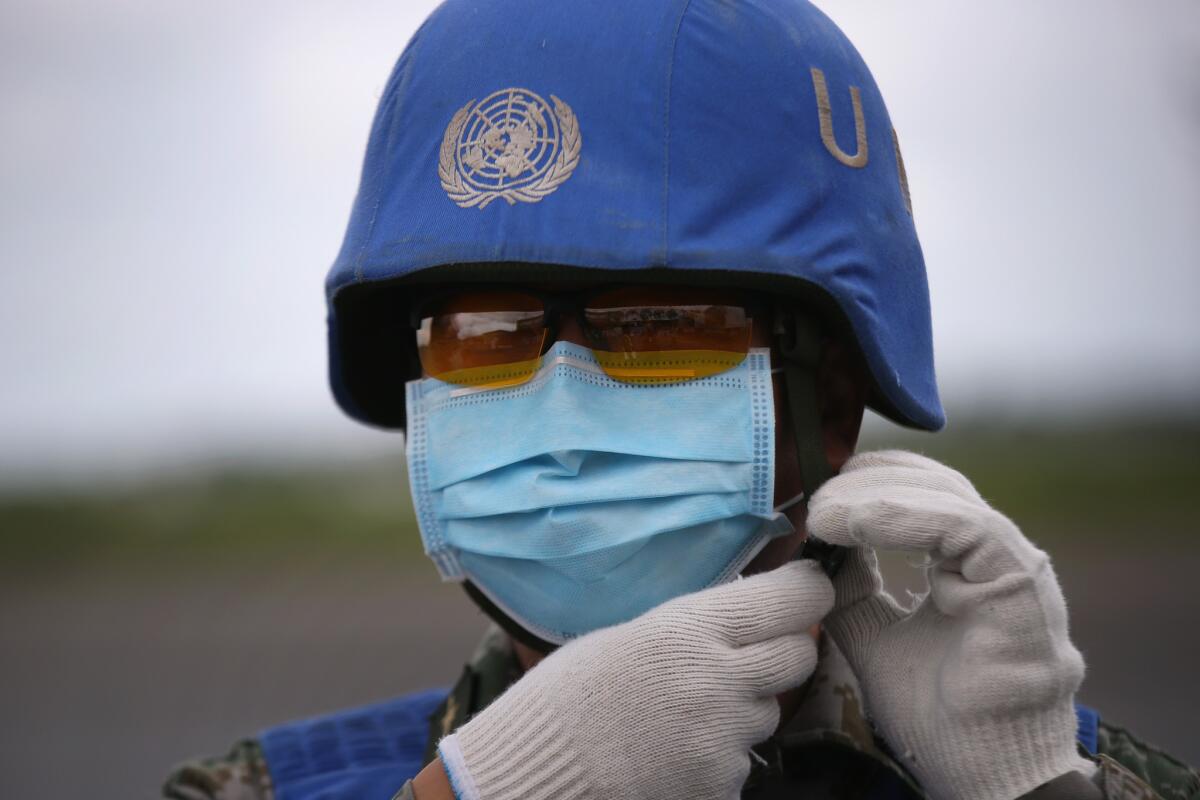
(510, 625)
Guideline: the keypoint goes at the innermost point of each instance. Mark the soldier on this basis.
(628, 273)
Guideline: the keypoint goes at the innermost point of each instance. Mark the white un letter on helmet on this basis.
(825, 114)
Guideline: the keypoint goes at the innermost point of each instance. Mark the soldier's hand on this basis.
(665, 706)
(973, 686)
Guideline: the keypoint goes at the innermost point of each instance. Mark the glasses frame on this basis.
(555, 304)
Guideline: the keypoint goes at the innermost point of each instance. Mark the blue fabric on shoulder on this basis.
(364, 753)
(367, 753)
(1088, 731)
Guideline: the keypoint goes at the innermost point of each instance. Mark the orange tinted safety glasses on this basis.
(496, 337)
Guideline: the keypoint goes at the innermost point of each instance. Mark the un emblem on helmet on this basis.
(511, 145)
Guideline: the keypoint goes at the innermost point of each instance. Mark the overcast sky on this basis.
(175, 179)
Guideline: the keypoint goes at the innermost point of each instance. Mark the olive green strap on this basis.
(806, 427)
(801, 351)
(800, 346)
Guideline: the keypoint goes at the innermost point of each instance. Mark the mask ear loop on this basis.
(795, 501)
(800, 345)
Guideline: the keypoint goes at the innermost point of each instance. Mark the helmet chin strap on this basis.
(507, 623)
(800, 345)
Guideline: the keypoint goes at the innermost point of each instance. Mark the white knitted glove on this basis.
(973, 686)
(665, 706)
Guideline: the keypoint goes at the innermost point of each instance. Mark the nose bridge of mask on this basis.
(571, 405)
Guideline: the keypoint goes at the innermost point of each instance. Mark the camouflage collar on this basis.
(492, 669)
(830, 713)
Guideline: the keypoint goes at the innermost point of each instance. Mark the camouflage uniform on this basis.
(240, 775)
(828, 749)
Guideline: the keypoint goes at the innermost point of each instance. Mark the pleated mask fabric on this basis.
(575, 501)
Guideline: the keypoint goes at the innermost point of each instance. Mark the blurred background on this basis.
(195, 544)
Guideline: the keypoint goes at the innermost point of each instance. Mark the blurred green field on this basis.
(1104, 483)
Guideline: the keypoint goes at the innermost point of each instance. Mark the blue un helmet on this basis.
(740, 143)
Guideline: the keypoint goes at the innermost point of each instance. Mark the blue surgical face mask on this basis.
(574, 501)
